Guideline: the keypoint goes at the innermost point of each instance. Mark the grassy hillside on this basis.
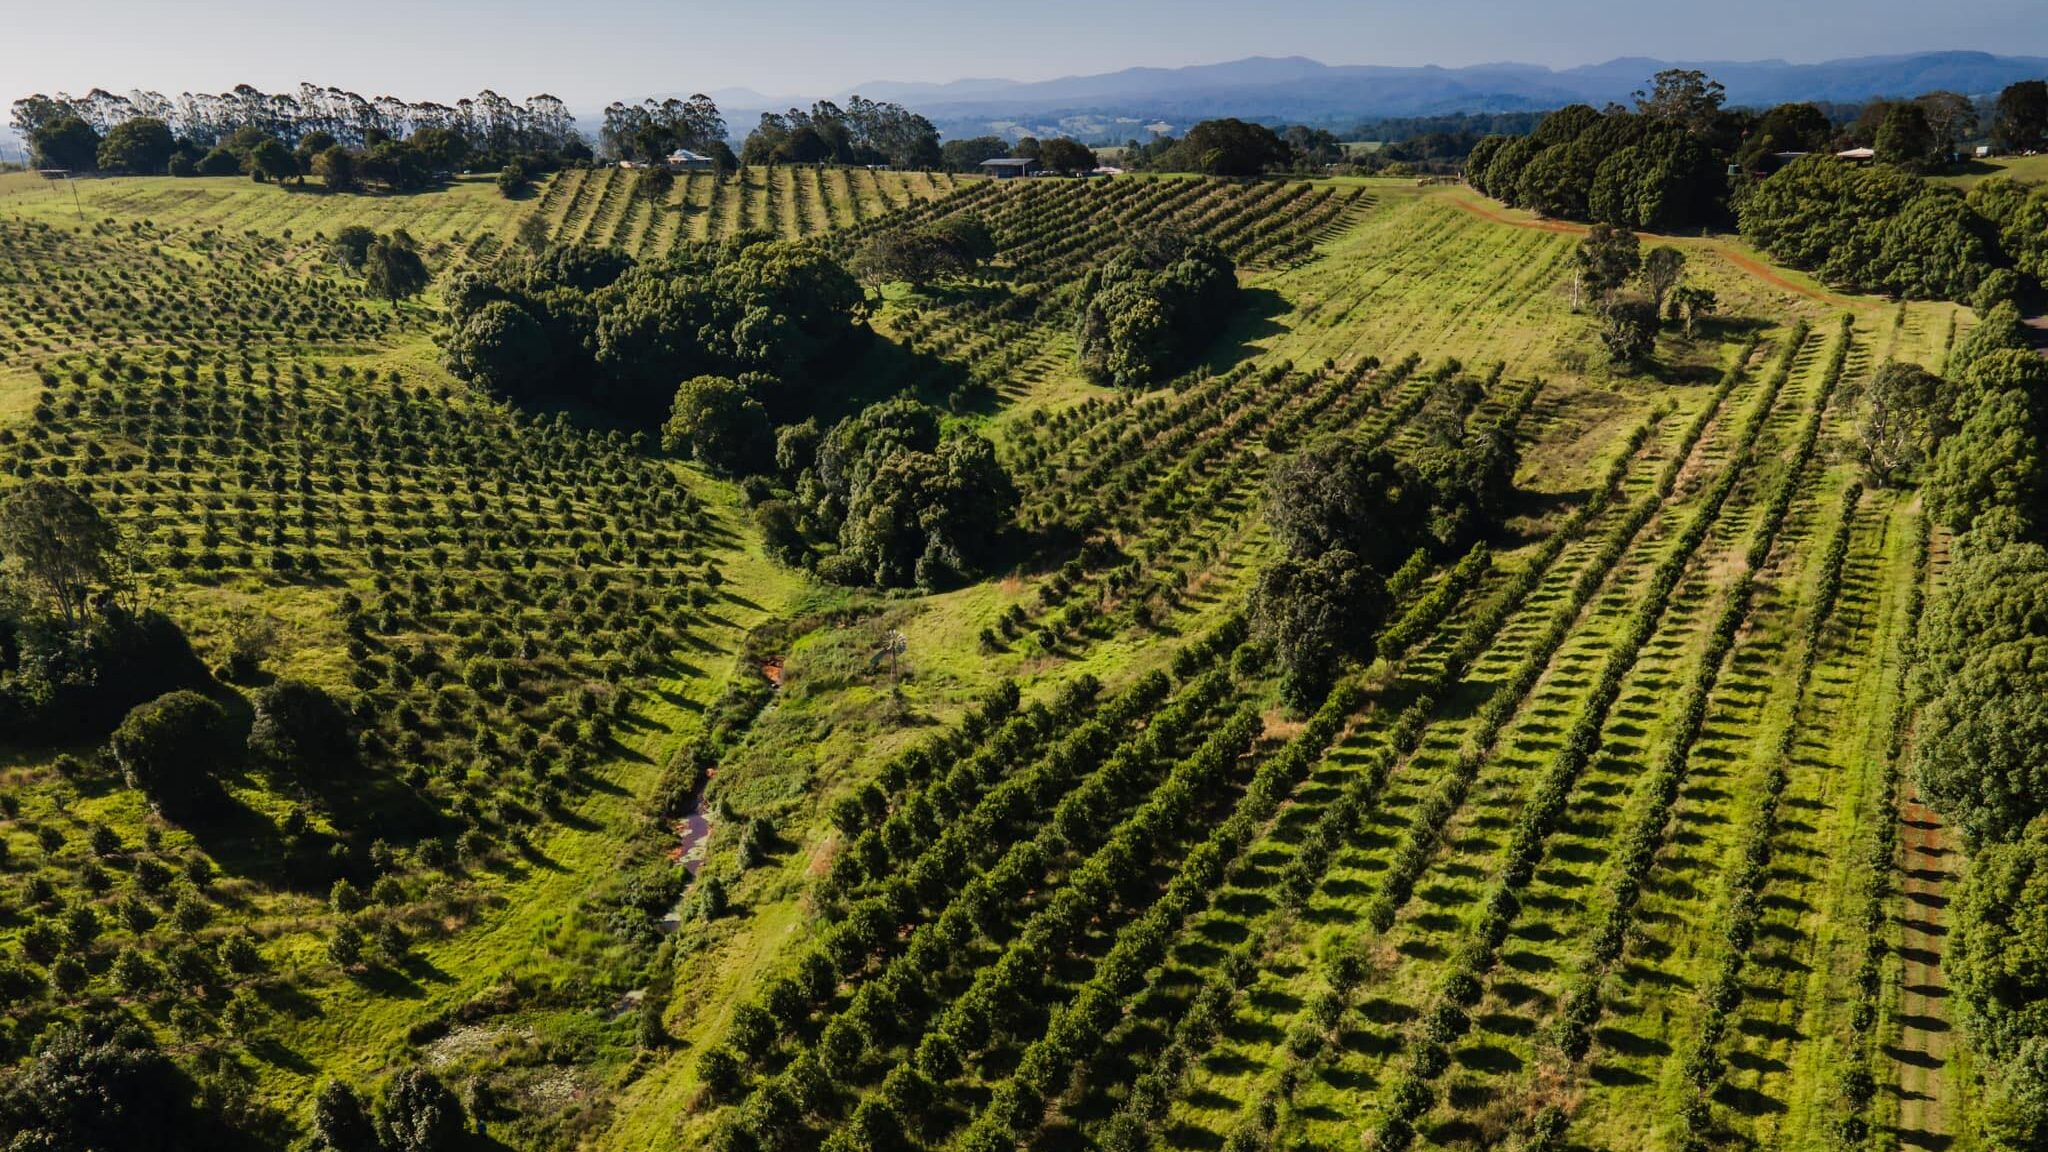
(1171, 906)
(2029, 168)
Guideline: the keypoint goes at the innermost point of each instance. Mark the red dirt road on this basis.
(1925, 1087)
(1741, 260)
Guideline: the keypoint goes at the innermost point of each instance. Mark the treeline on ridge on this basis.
(1680, 161)
(340, 136)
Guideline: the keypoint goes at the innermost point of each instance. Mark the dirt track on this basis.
(1922, 1054)
(1741, 260)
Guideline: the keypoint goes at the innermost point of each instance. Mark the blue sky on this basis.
(591, 51)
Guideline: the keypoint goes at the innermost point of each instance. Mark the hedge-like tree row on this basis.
(1978, 739)
(1705, 1066)
(1877, 228)
(1056, 810)
(1873, 228)
(1645, 837)
(1856, 1082)
(1208, 1008)
(1077, 1030)
(1427, 1055)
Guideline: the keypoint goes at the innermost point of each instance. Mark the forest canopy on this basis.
(1681, 160)
(863, 132)
(314, 131)
(598, 326)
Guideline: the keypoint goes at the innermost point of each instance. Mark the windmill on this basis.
(896, 645)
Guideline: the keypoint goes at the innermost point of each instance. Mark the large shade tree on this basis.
(59, 542)
(720, 424)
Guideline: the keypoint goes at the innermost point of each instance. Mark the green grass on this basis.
(2028, 168)
(467, 208)
(521, 978)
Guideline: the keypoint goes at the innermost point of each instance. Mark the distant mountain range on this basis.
(1295, 89)
(1115, 106)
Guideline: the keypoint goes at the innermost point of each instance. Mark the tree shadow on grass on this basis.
(1184, 1135)
(1632, 1043)
(1749, 1101)
(1921, 1138)
(274, 1053)
(1256, 317)
(242, 842)
(288, 1000)
(1505, 1024)
(1489, 1058)
(1615, 1076)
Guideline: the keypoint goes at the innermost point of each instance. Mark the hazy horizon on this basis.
(625, 49)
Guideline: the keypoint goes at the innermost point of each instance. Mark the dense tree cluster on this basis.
(652, 129)
(1983, 727)
(385, 140)
(418, 1114)
(1348, 515)
(1989, 473)
(601, 327)
(901, 500)
(170, 748)
(718, 422)
(1240, 148)
(1151, 308)
(864, 132)
(952, 246)
(1653, 168)
(2020, 119)
(1225, 147)
(966, 153)
(1317, 611)
(1313, 148)
(1999, 961)
(725, 342)
(2017, 214)
(1450, 130)
(299, 727)
(99, 1086)
(393, 267)
(1871, 227)
(1902, 414)
(1633, 293)
(1063, 154)
(1067, 156)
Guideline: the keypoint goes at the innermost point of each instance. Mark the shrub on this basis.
(169, 747)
